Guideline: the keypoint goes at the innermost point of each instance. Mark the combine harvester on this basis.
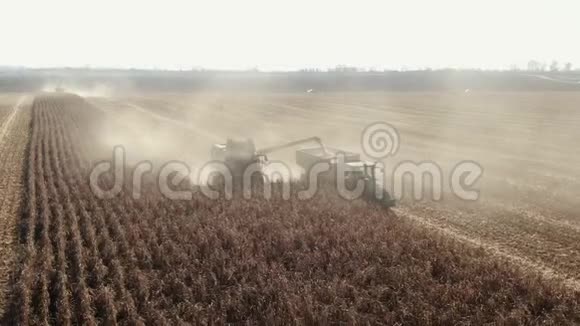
(239, 155)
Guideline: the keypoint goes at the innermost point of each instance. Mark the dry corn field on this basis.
(69, 257)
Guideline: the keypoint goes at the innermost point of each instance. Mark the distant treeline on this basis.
(425, 80)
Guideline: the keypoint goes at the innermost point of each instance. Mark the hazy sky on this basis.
(274, 35)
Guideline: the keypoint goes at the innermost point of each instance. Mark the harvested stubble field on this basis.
(84, 260)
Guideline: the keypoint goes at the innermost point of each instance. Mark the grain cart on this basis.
(351, 165)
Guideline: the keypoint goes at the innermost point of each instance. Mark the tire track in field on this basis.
(14, 134)
(494, 249)
(6, 125)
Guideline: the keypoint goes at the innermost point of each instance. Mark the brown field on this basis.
(525, 143)
(14, 132)
(512, 257)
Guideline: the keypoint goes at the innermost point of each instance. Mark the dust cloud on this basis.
(96, 90)
(523, 141)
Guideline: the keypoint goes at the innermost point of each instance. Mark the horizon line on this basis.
(336, 69)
